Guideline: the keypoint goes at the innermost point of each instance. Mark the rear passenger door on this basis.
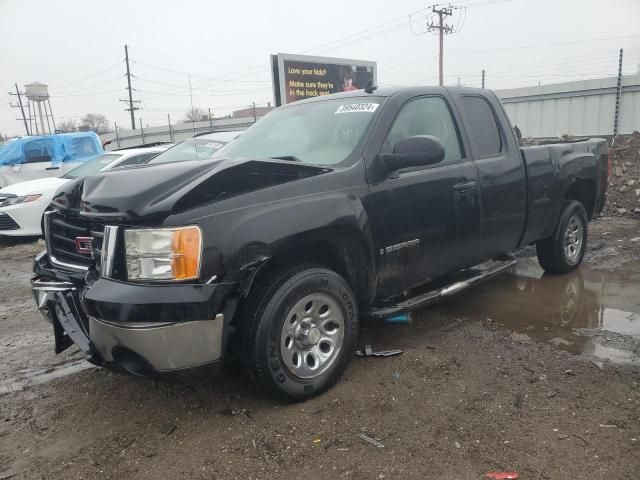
(425, 218)
(501, 174)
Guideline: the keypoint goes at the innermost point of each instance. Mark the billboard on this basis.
(296, 77)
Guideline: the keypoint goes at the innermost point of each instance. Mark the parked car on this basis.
(30, 158)
(23, 204)
(326, 211)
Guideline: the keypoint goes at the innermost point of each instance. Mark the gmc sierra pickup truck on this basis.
(327, 211)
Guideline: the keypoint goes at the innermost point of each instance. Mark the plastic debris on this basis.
(402, 319)
(366, 351)
(503, 475)
(369, 440)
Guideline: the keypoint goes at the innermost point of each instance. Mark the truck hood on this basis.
(38, 186)
(152, 192)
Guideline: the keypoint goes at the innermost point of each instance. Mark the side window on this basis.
(38, 151)
(482, 126)
(427, 116)
(138, 159)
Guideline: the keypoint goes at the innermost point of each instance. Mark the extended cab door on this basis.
(501, 173)
(424, 218)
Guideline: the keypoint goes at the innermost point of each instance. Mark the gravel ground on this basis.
(527, 388)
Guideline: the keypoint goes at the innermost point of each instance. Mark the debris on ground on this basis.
(368, 439)
(168, 429)
(367, 351)
(503, 475)
(401, 319)
(623, 195)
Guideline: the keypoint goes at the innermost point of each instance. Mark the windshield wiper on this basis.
(291, 158)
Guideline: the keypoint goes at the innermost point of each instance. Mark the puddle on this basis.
(36, 377)
(589, 311)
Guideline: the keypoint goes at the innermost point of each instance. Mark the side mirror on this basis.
(417, 151)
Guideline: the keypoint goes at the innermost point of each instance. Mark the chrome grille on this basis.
(61, 233)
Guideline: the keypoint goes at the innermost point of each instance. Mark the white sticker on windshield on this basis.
(357, 107)
(213, 145)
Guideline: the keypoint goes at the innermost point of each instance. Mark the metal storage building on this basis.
(585, 107)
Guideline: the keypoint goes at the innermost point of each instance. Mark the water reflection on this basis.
(589, 311)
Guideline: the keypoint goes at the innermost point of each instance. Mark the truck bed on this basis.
(551, 170)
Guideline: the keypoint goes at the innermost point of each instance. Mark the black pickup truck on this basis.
(325, 212)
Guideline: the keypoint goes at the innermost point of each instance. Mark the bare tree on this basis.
(95, 122)
(196, 115)
(67, 126)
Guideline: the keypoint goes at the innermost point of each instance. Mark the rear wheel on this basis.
(300, 334)
(564, 250)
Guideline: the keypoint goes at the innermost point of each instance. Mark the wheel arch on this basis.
(342, 252)
(583, 190)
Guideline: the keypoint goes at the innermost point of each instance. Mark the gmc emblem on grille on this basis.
(84, 245)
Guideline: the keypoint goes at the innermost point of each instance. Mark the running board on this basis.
(476, 275)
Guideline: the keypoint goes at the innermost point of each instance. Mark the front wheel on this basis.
(564, 250)
(301, 329)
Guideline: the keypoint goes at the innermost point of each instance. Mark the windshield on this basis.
(93, 166)
(192, 149)
(321, 133)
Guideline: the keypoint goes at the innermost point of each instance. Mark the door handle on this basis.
(465, 187)
(52, 168)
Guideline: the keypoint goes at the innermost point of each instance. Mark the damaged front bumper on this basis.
(143, 329)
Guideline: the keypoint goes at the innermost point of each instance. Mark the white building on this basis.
(583, 108)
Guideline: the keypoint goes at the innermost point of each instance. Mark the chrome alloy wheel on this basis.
(573, 239)
(312, 335)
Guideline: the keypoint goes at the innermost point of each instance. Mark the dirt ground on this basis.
(528, 373)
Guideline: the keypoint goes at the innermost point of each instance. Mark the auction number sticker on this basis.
(357, 107)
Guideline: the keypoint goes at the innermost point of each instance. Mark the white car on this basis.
(23, 204)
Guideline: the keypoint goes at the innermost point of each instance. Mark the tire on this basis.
(563, 251)
(300, 332)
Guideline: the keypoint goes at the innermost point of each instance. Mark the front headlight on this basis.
(163, 253)
(5, 201)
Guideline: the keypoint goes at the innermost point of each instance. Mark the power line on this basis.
(119, 62)
(178, 72)
(191, 59)
(88, 94)
(84, 89)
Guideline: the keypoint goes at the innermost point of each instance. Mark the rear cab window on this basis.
(482, 126)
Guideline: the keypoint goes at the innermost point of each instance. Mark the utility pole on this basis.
(170, 129)
(131, 101)
(24, 118)
(210, 120)
(618, 97)
(141, 130)
(115, 127)
(483, 78)
(191, 100)
(253, 111)
(442, 13)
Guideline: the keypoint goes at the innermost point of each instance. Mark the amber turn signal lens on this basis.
(186, 246)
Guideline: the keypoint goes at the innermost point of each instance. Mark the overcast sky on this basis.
(77, 48)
